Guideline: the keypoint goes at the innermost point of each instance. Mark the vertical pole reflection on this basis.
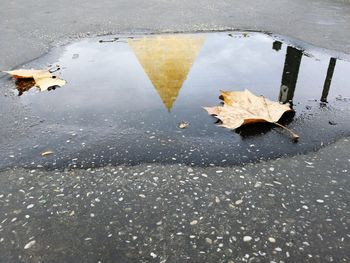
(277, 45)
(328, 80)
(290, 74)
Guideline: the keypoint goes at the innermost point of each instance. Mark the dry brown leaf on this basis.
(243, 107)
(43, 78)
(29, 73)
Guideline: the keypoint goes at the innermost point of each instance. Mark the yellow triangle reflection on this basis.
(167, 61)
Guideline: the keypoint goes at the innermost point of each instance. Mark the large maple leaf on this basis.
(243, 107)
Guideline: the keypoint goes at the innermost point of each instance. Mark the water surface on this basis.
(125, 97)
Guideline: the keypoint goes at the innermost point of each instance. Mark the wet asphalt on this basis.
(292, 209)
(286, 210)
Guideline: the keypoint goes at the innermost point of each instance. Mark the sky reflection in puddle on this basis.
(179, 67)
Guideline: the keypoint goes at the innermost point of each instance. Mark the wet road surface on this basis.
(125, 184)
(287, 210)
(292, 209)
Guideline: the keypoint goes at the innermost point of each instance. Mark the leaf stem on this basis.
(295, 136)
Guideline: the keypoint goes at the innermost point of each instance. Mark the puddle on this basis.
(125, 98)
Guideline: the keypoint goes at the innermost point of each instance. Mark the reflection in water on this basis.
(111, 105)
(290, 74)
(328, 80)
(277, 45)
(167, 61)
(223, 63)
(23, 85)
(247, 131)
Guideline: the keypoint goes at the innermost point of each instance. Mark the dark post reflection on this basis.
(290, 74)
(328, 80)
(277, 45)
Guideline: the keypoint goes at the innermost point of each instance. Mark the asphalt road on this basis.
(285, 210)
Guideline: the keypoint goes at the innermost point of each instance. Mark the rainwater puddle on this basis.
(125, 98)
